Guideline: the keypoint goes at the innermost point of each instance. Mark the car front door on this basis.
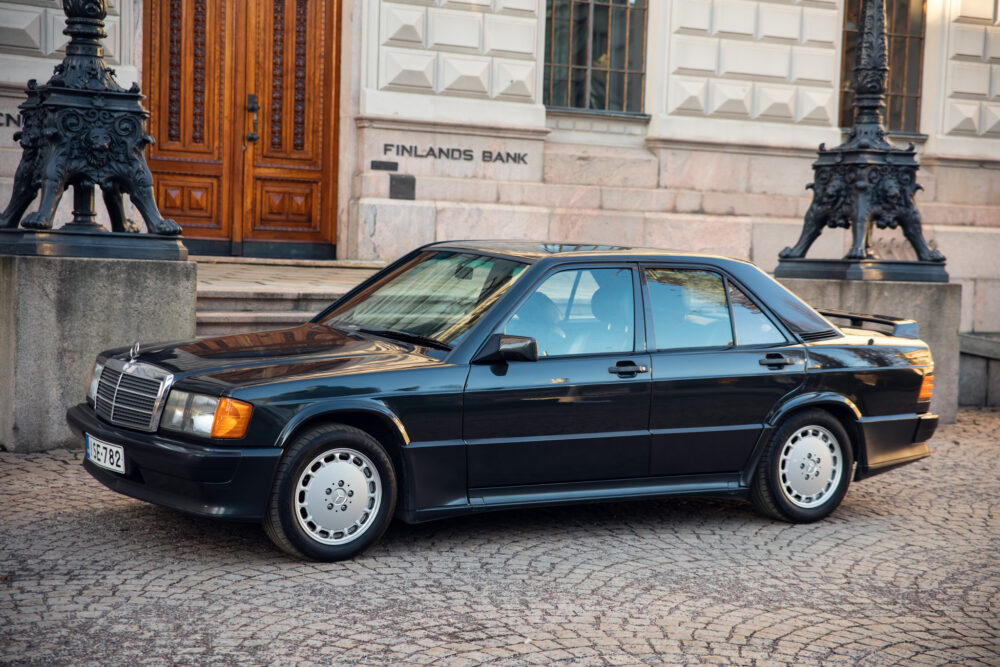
(712, 384)
(581, 411)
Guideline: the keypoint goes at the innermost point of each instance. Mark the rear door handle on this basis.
(776, 360)
(627, 369)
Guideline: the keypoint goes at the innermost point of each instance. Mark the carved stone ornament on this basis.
(82, 129)
(866, 181)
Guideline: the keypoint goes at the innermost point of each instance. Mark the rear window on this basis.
(695, 308)
(689, 309)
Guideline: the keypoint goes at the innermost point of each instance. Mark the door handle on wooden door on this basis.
(253, 107)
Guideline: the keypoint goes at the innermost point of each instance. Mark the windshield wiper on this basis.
(407, 336)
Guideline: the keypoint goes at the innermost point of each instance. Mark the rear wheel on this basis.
(333, 496)
(806, 469)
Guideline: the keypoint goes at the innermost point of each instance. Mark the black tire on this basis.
(331, 451)
(787, 465)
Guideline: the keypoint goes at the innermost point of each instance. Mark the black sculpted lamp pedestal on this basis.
(865, 182)
(69, 293)
(82, 130)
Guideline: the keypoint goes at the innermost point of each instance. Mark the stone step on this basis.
(979, 369)
(240, 295)
(986, 345)
(221, 322)
(272, 261)
(256, 301)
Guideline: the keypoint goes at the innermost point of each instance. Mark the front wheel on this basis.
(333, 496)
(806, 469)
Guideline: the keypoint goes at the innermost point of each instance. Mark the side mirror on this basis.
(501, 347)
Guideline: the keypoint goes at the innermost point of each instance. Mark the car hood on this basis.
(253, 358)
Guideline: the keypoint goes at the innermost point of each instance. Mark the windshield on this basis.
(437, 295)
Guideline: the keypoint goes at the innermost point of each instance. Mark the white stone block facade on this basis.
(738, 95)
(973, 71)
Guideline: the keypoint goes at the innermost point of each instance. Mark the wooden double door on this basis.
(243, 98)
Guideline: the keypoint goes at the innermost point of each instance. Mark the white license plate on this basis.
(105, 454)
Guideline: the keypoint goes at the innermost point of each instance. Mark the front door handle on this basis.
(776, 360)
(627, 369)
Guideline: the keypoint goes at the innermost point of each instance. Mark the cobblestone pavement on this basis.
(907, 571)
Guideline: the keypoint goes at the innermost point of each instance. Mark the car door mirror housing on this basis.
(501, 347)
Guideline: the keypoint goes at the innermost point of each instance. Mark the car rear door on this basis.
(581, 411)
(720, 363)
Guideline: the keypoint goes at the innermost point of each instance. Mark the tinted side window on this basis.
(585, 311)
(753, 327)
(689, 309)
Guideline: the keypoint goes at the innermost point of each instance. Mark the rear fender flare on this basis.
(819, 399)
(811, 399)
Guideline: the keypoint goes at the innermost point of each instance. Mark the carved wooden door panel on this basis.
(222, 170)
(188, 78)
(290, 180)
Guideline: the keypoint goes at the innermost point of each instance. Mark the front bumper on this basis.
(893, 441)
(225, 482)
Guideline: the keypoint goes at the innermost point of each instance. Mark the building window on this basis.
(905, 21)
(595, 54)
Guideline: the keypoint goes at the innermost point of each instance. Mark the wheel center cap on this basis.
(339, 496)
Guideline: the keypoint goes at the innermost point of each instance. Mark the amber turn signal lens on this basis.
(232, 418)
(926, 388)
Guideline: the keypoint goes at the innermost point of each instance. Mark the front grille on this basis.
(131, 395)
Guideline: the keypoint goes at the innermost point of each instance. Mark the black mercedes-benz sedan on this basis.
(476, 376)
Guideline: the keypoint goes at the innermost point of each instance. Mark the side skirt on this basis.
(547, 495)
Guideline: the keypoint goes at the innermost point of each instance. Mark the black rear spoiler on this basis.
(901, 327)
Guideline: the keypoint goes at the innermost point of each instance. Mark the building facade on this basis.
(362, 128)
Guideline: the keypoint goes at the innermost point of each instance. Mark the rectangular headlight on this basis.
(95, 379)
(206, 416)
(189, 413)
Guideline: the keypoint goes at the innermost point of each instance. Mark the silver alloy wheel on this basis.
(338, 496)
(810, 466)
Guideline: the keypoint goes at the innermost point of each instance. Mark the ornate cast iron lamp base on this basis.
(865, 182)
(82, 129)
(862, 269)
(67, 242)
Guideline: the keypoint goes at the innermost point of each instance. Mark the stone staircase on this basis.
(979, 369)
(237, 294)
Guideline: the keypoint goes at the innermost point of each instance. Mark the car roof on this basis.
(536, 250)
(796, 313)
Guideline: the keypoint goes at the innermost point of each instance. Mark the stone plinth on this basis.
(935, 306)
(57, 313)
